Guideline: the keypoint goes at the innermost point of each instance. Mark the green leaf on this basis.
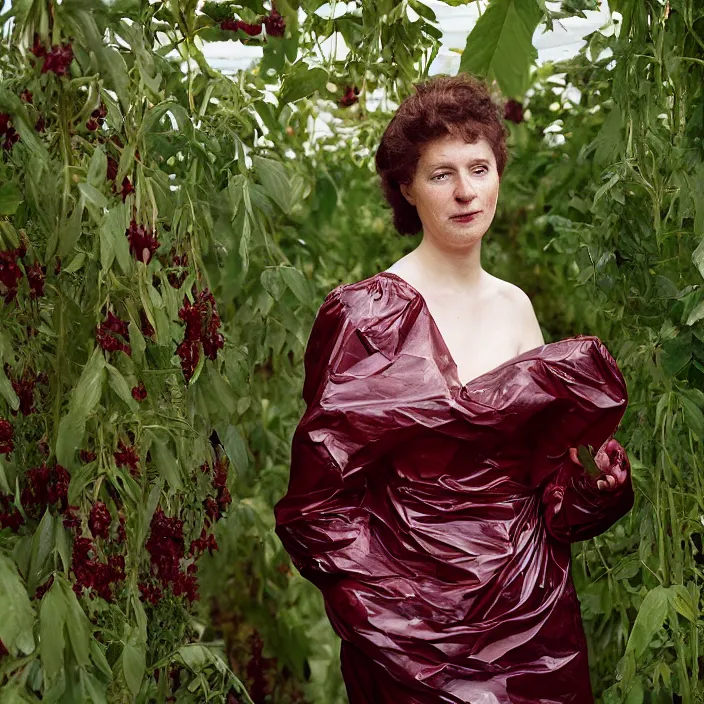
(93, 195)
(650, 619)
(153, 115)
(42, 547)
(92, 689)
(69, 439)
(145, 516)
(121, 388)
(90, 385)
(114, 66)
(10, 199)
(136, 340)
(7, 392)
(500, 45)
(635, 694)
(84, 398)
(133, 664)
(698, 255)
(98, 167)
(114, 240)
(235, 446)
(70, 232)
(301, 82)
(107, 244)
(272, 174)
(98, 657)
(167, 464)
(16, 613)
(61, 542)
(76, 263)
(682, 601)
(52, 620)
(78, 625)
(299, 285)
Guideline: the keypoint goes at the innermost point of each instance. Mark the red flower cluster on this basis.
(150, 592)
(99, 520)
(166, 548)
(72, 517)
(139, 393)
(126, 455)
(38, 49)
(10, 133)
(87, 456)
(126, 189)
(91, 573)
(233, 25)
(10, 517)
(176, 280)
(35, 276)
(113, 166)
(205, 542)
(513, 111)
(7, 444)
(10, 273)
(275, 24)
(58, 59)
(127, 186)
(189, 352)
(215, 507)
(107, 331)
(97, 117)
(350, 96)
(146, 327)
(143, 244)
(202, 323)
(45, 485)
(212, 509)
(24, 388)
(220, 483)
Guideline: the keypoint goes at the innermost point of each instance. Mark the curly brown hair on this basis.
(444, 105)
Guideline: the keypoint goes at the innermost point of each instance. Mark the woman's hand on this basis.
(613, 462)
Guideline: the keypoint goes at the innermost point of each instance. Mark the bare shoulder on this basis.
(529, 335)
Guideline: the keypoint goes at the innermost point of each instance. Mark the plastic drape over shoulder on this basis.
(435, 517)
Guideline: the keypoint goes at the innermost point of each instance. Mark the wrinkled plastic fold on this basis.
(436, 518)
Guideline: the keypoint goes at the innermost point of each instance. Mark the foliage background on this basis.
(600, 221)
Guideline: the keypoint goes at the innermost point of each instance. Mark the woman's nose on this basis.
(464, 189)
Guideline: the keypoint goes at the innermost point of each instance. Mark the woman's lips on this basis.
(466, 218)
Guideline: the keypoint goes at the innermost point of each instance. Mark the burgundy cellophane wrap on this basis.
(424, 509)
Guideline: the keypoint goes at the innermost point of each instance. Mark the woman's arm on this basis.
(350, 422)
(577, 506)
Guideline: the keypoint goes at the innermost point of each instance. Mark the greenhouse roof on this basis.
(565, 39)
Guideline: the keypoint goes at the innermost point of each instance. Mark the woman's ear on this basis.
(405, 192)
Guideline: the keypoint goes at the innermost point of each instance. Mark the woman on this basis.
(435, 488)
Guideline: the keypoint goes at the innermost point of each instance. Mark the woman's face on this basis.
(454, 178)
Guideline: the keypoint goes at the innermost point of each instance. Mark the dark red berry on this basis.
(139, 393)
(513, 111)
(143, 244)
(99, 520)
